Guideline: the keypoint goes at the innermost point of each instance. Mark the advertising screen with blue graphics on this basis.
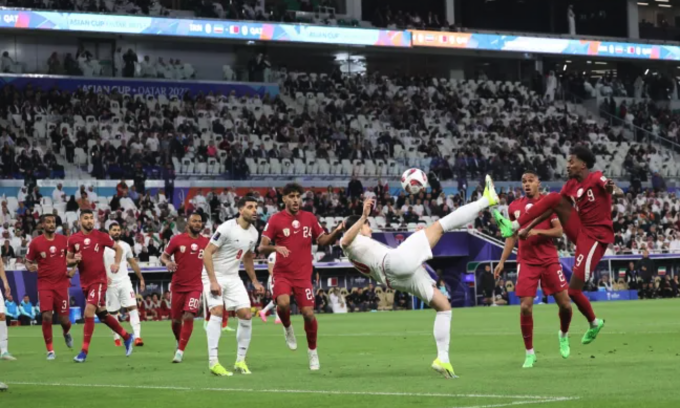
(544, 45)
(203, 28)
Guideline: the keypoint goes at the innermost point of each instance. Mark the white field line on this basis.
(527, 398)
(516, 403)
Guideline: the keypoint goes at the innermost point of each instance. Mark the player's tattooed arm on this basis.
(249, 266)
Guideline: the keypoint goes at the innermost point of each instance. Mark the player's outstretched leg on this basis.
(565, 313)
(214, 332)
(4, 351)
(442, 334)
(462, 215)
(113, 324)
(243, 335)
(283, 310)
(263, 312)
(526, 319)
(553, 202)
(47, 334)
(581, 300)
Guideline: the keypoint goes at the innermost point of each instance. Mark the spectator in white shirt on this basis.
(91, 195)
(58, 195)
(152, 143)
(418, 208)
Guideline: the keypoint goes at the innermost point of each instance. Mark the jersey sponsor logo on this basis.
(286, 232)
(296, 224)
(87, 241)
(44, 255)
(182, 249)
(579, 193)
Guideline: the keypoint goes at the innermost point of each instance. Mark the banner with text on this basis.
(217, 29)
(544, 45)
(138, 86)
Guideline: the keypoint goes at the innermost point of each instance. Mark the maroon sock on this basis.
(284, 316)
(87, 333)
(527, 324)
(582, 303)
(177, 329)
(311, 329)
(47, 334)
(547, 202)
(113, 324)
(225, 319)
(185, 335)
(66, 327)
(565, 319)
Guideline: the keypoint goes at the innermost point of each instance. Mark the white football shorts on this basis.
(120, 295)
(234, 294)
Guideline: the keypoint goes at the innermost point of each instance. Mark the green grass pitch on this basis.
(369, 360)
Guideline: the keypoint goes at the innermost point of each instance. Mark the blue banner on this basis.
(202, 28)
(451, 244)
(131, 86)
(592, 296)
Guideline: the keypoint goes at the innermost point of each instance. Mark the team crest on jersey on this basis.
(182, 249)
(296, 224)
(77, 247)
(286, 232)
(44, 255)
(87, 241)
(194, 247)
(579, 193)
(518, 214)
(53, 250)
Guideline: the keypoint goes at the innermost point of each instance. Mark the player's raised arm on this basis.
(554, 232)
(135, 267)
(249, 265)
(327, 239)
(215, 288)
(354, 230)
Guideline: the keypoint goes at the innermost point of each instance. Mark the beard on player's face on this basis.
(115, 235)
(88, 225)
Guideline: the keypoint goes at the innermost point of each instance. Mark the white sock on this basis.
(594, 323)
(515, 225)
(463, 215)
(115, 335)
(442, 335)
(214, 332)
(269, 307)
(243, 335)
(135, 323)
(563, 335)
(3, 337)
(531, 351)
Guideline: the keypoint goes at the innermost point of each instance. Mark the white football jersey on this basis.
(272, 258)
(367, 254)
(110, 258)
(232, 243)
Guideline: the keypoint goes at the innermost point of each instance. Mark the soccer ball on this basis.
(413, 181)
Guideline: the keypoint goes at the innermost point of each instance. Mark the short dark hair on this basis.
(532, 172)
(195, 213)
(293, 188)
(42, 217)
(585, 155)
(85, 212)
(243, 200)
(113, 224)
(351, 220)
